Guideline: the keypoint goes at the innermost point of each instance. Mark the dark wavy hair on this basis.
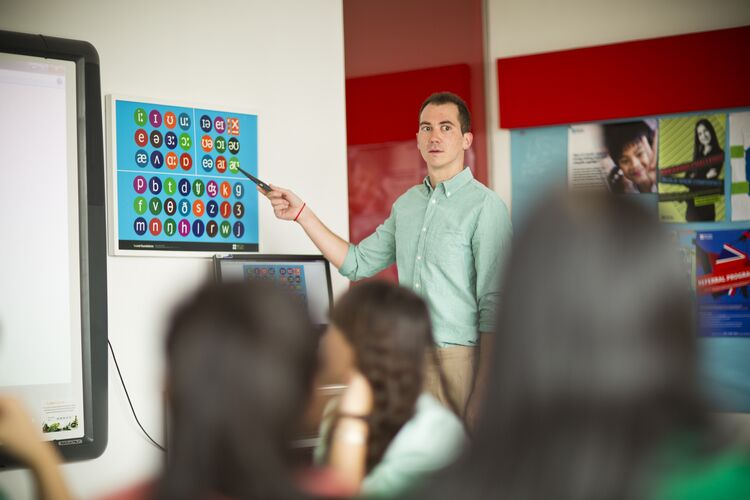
(698, 147)
(595, 360)
(618, 136)
(240, 365)
(388, 327)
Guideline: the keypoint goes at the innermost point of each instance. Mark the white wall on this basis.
(520, 27)
(283, 58)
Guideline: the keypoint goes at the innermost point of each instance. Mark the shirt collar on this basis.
(454, 183)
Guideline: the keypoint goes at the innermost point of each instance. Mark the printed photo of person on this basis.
(632, 156)
(691, 173)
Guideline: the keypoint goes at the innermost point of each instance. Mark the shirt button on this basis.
(424, 229)
(419, 257)
(434, 201)
(447, 194)
(416, 285)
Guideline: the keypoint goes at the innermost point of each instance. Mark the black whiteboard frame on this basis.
(92, 231)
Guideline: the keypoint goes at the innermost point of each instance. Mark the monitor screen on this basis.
(308, 276)
(52, 257)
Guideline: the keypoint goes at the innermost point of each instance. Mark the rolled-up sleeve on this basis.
(490, 244)
(373, 254)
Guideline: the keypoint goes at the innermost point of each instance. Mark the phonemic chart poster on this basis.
(691, 168)
(176, 180)
(723, 282)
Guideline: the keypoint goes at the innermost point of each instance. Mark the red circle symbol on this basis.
(186, 161)
(207, 143)
(226, 209)
(221, 164)
(171, 160)
(170, 120)
(154, 226)
(141, 137)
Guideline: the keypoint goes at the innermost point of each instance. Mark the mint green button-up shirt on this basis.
(447, 243)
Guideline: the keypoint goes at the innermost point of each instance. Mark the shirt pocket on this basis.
(449, 247)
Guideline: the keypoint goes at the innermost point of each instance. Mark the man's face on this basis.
(439, 138)
(637, 162)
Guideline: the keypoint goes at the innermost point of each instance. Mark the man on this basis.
(446, 236)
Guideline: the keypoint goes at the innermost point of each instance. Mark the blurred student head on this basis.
(383, 332)
(594, 367)
(240, 364)
(631, 147)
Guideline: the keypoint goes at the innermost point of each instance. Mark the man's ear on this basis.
(468, 139)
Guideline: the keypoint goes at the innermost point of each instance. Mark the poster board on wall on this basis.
(174, 183)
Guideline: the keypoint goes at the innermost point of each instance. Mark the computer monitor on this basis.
(308, 276)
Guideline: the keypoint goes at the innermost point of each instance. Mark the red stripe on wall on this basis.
(385, 108)
(698, 71)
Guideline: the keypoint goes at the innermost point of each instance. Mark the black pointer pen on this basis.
(260, 183)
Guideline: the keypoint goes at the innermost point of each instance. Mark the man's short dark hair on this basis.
(438, 98)
(618, 136)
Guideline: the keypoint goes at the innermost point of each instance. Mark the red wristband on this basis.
(300, 211)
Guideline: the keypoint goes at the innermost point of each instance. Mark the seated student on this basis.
(19, 438)
(594, 392)
(632, 146)
(241, 358)
(385, 434)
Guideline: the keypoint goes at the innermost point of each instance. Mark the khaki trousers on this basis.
(458, 365)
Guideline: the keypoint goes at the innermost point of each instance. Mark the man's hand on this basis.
(286, 205)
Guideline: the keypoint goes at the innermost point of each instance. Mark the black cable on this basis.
(122, 381)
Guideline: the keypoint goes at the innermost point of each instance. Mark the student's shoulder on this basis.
(414, 193)
(486, 197)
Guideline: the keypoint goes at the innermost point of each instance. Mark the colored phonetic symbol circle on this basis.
(198, 208)
(141, 158)
(139, 205)
(184, 227)
(186, 161)
(170, 227)
(184, 121)
(220, 144)
(212, 189)
(157, 160)
(139, 226)
(170, 186)
(207, 144)
(198, 228)
(225, 229)
(226, 209)
(239, 190)
(206, 123)
(226, 190)
(234, 164)
(207, 163)
(156, 138)
(170, 206)
(155, 226)
(221, 164)
(233, 126)
(170, 120)
(186, 142)
(212, 208)
(155, 206)
(170, 139)
(239, 210)
(171, 160)
(198, 188)
(220, 125)
(140, 184)
(239, 229)
(141, 137)
(140, 117)
(234, 145)
(154, 185)
(184, 187)
(155, 118)
(184, 207)
(212, 228)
